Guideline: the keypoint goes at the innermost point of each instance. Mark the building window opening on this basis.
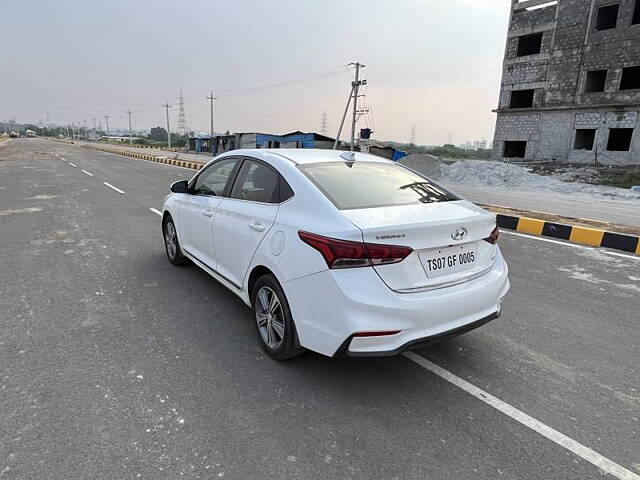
(630, 78)
(607, 17)
(521, 99)
(529, 44)
(596, 81)
(585, 138)
(619, 139)
(636, 14)
(514, 149)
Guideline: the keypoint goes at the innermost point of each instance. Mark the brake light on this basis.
(493, 238)
(349, 254)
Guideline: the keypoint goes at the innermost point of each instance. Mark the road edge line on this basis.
(559, 438)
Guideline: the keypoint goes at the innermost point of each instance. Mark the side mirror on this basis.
(181, 186)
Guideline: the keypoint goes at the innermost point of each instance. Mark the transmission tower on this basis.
(412, 140)
(323, 126)
(182, 119)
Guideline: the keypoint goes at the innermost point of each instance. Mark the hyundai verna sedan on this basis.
(338, 252)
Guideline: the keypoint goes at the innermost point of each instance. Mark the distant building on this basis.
(265, 140)
(475, 145)
(233, 141)
(571, 82)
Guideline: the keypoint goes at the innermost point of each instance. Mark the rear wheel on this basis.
(171, 243)
(276, 330)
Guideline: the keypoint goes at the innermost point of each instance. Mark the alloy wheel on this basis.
(171, 240)
(270, 317)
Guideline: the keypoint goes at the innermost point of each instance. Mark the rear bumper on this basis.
(329, 307)
(419, 342)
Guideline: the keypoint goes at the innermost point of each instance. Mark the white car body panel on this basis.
(239, 228)
(330, 305)
(195, 219)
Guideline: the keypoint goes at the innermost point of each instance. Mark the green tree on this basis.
(158, 134)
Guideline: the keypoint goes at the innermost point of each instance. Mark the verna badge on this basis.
(459, 234)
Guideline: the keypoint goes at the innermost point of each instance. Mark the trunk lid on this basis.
(446, 237)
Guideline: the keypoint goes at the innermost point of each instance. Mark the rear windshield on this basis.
(373, 184)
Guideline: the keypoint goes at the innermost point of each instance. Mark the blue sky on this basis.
(435, 64)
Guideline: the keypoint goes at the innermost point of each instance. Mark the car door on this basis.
(245, 217)
(198, 209)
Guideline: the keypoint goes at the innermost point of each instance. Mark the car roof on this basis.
(311, 155)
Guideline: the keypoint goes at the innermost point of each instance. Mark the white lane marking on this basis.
(632, 257)
(537, 426)
(115, 188)
(542, 239)
(72, 164)
(156, 211)
(88, 173)
(572, 245)
(62, 158)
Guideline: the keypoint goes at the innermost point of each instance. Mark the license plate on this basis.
(445, 261)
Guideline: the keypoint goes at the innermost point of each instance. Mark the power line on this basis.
(288, 83)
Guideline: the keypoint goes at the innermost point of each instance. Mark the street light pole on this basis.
(130, 112)
(211, 98)
(167, 107)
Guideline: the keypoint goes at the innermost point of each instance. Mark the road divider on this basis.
(146, 156)
(577, 230)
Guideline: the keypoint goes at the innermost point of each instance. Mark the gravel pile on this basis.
(498, 174)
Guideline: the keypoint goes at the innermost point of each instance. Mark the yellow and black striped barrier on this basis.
(573, 233)
(144, 156)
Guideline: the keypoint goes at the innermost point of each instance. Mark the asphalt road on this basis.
(116, 364)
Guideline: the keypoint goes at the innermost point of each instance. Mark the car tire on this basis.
(171, 243)
(274, 323)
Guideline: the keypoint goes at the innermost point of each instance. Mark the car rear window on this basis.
(373, 184)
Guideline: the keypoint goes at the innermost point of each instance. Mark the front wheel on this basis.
(276, 330)
(171, 243)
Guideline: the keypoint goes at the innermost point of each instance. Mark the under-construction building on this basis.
(570, 87)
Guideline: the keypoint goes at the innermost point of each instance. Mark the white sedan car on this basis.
(338, 252)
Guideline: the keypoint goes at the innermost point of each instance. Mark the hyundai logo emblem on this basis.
(459, 234)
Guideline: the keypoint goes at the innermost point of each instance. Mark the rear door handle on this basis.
(257, 227)
(207, 214)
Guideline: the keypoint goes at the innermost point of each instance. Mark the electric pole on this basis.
(412, 140)
(95, 130)
(167, 107)
(106, 119)
(129, 112)
(211, 98)
(356, 85)
(85, 129)
(344, 115)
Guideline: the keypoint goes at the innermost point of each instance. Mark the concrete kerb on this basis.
(146, 156)
(572, 232)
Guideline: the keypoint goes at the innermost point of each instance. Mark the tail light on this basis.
(493, 238)
(349, 254)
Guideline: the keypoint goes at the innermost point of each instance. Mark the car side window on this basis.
(285, 190)
(214, 179)
(257, 183)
